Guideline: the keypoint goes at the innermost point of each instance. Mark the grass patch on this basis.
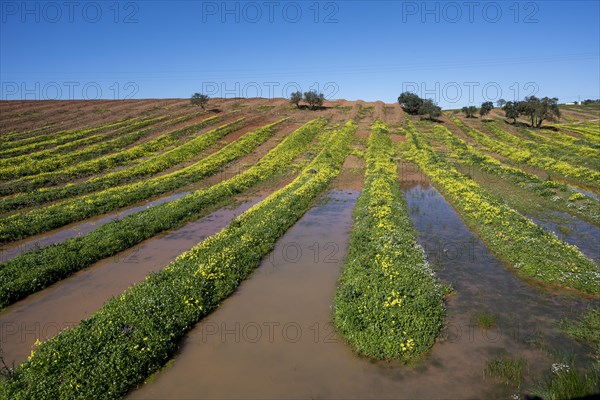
(587, 329)
(537, 340)
(565, 382)
(485, 319)
(510, 370)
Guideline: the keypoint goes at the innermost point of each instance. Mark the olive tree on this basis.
(296, 98)
(314, 99)
(539, 110)
(199, 99)
(485, 108)
(410, 103)
(511, 111)
(470, 111)
(429, 108)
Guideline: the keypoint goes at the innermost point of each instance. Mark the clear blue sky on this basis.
(457, 52)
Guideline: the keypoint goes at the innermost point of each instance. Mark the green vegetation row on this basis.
(54, 139)
(22, 225)
(31, 165)
(563, 198)
(564, 139)
(77, 145)
(575, 155)
(37, 269)
(388, 303)
(566, 145)
(530, 250)
(50, 129)
(65, 144)
(581, 147)
(593, 126)
(30, 183)
(154, 164)
(568, 119)
(589, 131)
(71, 143)
(7, 138)
(532, 157)
(135, 334)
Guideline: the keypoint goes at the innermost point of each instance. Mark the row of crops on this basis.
(531, 155)
(564, 197)
(588, 131)
(39, 220)
(35, 270)
(389, 304)
(128, 157)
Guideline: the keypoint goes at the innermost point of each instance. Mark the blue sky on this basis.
(457, 52)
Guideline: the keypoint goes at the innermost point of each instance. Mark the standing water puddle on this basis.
(64, 304)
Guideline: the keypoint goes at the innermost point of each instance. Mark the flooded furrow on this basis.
(43, 314)
(272, 338)
(11, 250)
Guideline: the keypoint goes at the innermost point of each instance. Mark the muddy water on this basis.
(64, 304)
(13, 249)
